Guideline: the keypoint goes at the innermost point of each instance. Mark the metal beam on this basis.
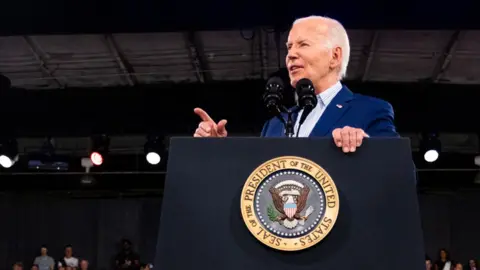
(40, 57)
(371, 51)
(446, 57)
(125, 66)
(197, 56)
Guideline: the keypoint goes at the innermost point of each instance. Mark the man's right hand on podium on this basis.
(208, 127)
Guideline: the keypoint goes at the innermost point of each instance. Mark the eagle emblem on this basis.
(289, 200)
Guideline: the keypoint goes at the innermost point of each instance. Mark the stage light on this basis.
(153, 158)
(96, 158)
(99, 149)
(8, 153)
(431, 155)
(153, 149)
(431, 146)
(5, 161)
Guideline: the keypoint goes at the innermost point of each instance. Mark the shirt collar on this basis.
(326, 96)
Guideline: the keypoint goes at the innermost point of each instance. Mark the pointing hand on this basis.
(208, 127)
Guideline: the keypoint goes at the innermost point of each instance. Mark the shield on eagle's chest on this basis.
(290, 209)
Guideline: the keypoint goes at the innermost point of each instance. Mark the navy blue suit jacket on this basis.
(373, 115)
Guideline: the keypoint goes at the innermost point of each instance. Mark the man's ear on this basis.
(337, 56)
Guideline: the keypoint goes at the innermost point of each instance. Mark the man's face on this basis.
(43, 251)
(68, 252)
(308, 53)
(84, 264)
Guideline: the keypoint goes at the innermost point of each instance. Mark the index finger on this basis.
(203, 114)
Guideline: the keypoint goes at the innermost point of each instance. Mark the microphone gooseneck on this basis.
(307, 100)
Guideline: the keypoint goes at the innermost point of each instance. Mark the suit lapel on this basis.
(334, 111)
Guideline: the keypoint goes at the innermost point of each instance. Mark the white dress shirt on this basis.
(324, 99)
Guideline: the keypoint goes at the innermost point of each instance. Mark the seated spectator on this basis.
(44, 261)
(472, 265)
(84, 265)
(458, 266)
(146, 266)
(443, 262)
(428, 263)
(35, 267)
(127, 259)
(68, 259)
(18, 266)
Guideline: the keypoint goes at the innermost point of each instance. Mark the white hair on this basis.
(337, 36)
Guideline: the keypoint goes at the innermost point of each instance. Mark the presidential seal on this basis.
(289, 203)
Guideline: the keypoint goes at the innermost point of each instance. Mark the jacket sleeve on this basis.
(264, 129)
(382, 121)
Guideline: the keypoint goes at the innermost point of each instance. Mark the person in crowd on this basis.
(472, 265)
(146, 266)
(127, 259)
(68, 259)
(18, 266)
(44, 261)
(35, 267)
(443, 262)
(84, 265)
(428, 263)
(458, 266)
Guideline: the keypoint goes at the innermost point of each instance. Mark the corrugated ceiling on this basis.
(48, 62)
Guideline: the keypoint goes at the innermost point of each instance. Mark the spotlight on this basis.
(431, 145)
(8, 153)
(153, 148)
(431, 155)
(99, 149)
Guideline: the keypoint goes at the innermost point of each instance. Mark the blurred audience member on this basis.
(458, 266)
(127, 259)
(428, 263)
(472, 265)
(18, 266)
(146, 266)
(83, 265)
(443, 262)
(44, 261)
(35, 267)
(68, 259)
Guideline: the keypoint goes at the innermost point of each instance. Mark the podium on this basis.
(203, 224)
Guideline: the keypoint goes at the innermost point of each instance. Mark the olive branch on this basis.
(272, 213)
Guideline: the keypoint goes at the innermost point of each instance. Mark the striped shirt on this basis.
(324, 99)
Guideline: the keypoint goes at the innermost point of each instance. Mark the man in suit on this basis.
(319, 49)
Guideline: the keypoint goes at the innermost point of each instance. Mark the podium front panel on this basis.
(201, 227)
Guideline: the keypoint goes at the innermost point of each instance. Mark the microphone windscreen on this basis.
(303, 83)
(276, 80)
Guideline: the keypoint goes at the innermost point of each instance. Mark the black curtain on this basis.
(93, 227)
(451, 220)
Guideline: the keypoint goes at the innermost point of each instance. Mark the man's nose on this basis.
(292, 55)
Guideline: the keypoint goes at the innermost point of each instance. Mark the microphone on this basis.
(307, 100)
(273, 95)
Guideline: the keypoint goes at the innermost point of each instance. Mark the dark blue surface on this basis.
(57, 16)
